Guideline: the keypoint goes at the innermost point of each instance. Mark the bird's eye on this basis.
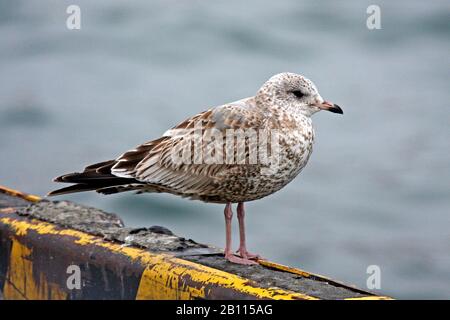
(298, 94)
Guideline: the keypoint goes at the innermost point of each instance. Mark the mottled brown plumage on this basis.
(218, 171)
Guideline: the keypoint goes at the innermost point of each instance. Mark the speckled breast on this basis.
(252, 182)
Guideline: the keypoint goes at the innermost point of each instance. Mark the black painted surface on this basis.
(107, 275)
(5, 250)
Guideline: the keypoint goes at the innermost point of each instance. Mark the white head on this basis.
(295, 92)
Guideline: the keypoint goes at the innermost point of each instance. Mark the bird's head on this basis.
(295, 92)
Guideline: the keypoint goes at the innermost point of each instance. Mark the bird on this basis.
(229, 154)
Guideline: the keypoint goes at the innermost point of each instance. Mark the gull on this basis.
(229, 154)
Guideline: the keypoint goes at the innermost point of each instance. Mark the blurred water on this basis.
(376, 190)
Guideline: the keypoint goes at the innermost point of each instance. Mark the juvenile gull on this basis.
(281, 109)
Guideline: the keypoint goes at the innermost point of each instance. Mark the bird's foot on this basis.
(247, 255)
(235, 259)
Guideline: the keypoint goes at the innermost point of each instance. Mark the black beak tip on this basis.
(336, 109)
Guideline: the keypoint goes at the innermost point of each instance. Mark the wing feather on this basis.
(152, 163)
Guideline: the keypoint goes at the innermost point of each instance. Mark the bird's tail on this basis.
(96, 177)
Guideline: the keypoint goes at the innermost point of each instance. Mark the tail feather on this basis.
(84, 177)
(94, 177)
(101, 167)
(71, 189)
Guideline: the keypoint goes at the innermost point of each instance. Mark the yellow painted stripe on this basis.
(162, 276)
(170, 267)
(19, 194)
(20, 282)
(307, 274)
(371, 298)
(282, 267)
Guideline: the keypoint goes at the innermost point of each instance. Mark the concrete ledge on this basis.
(40, 241)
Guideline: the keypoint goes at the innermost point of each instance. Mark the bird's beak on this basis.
(332, 107)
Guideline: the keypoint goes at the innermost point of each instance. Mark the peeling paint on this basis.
(114, 271)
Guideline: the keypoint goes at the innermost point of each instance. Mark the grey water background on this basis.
(376, 190)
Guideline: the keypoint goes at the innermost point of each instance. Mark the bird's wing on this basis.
(153, 162)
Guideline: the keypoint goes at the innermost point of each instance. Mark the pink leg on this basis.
(228, 251)
(242, 244)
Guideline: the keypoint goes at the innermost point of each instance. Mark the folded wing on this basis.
(155, 166)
